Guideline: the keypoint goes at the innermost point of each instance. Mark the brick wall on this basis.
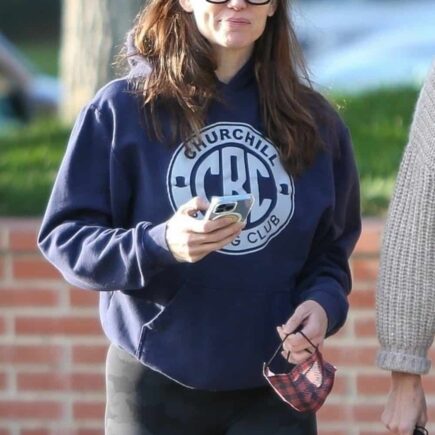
(52, 350)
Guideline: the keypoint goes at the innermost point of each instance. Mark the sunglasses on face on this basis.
(251, 2)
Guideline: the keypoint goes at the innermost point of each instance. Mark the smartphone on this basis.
(234, 206)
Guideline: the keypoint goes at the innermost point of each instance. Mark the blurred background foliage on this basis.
(379, 122)
(30, 154)
(34, 26)
(26, 20)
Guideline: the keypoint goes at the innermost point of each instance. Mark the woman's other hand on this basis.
(191, 239)
(313, 321)
(406, 404)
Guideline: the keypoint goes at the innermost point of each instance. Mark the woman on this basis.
(405, 308)
(213, 106)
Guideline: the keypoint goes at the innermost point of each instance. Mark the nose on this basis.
(237, 4)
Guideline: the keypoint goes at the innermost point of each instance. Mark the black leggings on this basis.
(143, 402)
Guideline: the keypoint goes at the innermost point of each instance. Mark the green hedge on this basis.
(379, 122)
(29, 159)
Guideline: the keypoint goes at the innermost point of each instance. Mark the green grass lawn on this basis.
(379, 122)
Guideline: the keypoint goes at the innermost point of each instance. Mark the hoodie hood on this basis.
(139, 66)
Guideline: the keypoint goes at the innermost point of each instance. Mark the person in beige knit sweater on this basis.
(405, 300)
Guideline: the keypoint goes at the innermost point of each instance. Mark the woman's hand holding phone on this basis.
(190, 239)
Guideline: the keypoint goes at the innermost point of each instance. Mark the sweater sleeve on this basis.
(77, 233)
(326, 276)
(405, 293)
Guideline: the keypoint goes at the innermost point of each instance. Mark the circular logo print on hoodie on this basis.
(232, 159)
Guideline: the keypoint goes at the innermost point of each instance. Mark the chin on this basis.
(236, 43)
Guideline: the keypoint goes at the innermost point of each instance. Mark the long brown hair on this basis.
(182, 77)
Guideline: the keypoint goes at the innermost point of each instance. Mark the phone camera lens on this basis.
(225, 208)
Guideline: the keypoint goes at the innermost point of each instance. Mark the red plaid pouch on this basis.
(306, 386)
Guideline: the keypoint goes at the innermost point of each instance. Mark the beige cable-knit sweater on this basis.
(405, 301)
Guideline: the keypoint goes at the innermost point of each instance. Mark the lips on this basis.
(237, 20)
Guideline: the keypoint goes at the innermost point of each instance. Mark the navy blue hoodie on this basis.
(208, 325)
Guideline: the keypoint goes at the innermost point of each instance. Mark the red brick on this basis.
(89, 410)
(25, 297)
(2, 267)
(370, 240)
(82, 354)
(60, 382)
(34, 268)
(430, 426)
(368, 413)
(343, 332)
(4, 432)
(365, 270)
(2, 381)
(2, 325)
(372, 432)
(83, 298)
(41, 382)
(429, 383)
(365, 327)
(46, 431)
(362, 298)
(67, 325)
(23, 240)
(363, 355)
(90, 432)
(340, 384)
(12, 409)
(88, 382)
(334, 412)
(373, 384)
(40, 354)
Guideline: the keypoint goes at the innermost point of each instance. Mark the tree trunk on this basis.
(93, 32)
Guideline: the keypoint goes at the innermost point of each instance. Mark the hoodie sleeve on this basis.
(77, 234)
(326, 276)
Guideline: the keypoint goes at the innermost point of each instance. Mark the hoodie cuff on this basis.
(155, 243)
(335, 308)
(402, 362)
